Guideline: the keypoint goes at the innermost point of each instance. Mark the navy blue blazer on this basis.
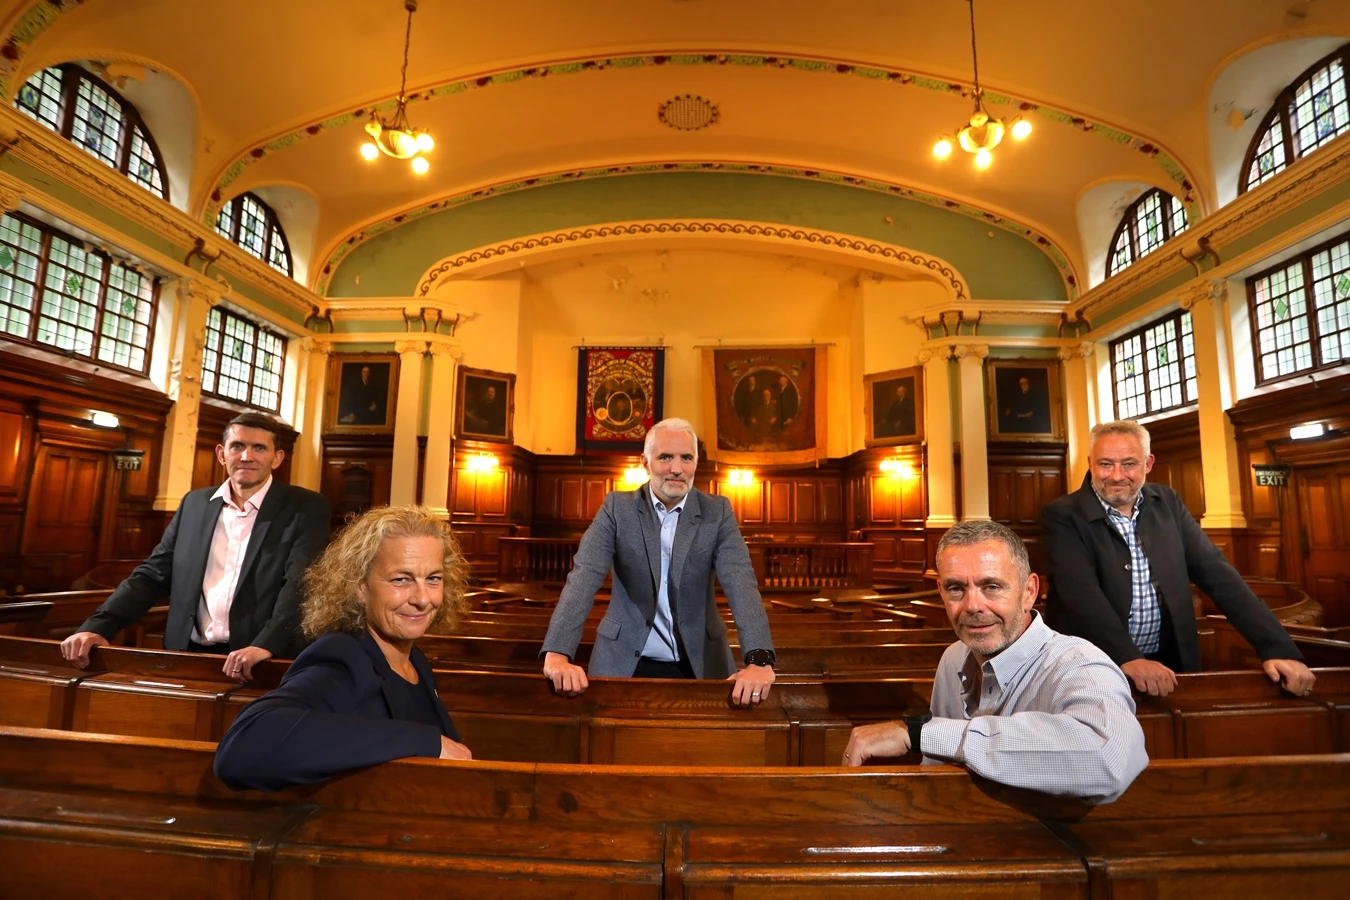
(335, 710)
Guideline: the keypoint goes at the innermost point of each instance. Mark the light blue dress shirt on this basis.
(661, 643)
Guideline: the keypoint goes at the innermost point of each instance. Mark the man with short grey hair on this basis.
(1122, 555)
(1014, 701)
(664, 542)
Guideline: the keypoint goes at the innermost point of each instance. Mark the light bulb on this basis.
(403, 144)
(983, 158)
(420, 165)
(943, 148)
(1021, 128)
(425, 143)
(369, 150)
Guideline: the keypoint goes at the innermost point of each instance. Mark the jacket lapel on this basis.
(381, 665)
(428, 680)
(271, 506)
(691, 517)
(651, 537)
(206, 530)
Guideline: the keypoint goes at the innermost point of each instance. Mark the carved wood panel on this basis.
(63, 521)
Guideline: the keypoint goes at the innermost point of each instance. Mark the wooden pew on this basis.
(78, 808)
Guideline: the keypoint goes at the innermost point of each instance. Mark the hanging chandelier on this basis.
(396, 137)
(984, 132)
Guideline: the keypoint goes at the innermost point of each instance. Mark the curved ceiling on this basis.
(524, 89)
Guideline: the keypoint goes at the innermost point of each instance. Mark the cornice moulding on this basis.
(1305, 178)
(54, 156)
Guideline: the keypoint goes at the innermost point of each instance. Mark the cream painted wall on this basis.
(684, 299)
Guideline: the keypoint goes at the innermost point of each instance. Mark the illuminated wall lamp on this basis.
(634, 477)
(897, 468)
(483, 462)
(740, 478)
(1303, 432)
(105, 420)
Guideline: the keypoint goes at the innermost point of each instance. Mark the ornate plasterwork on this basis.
(874, 250)
(54, 156)
(339, 251)
(34, 20)
(1303, 180)
(1176, 173)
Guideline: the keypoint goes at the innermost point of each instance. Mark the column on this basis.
(403, 484)
(307, 471)
(1218, 443)
(937, 404)
(196, 297)
(440, 427)
(974, 452)
(1077, 410)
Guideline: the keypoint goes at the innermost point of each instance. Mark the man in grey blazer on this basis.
(664, 542)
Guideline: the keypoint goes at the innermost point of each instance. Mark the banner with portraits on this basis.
(765, 406)
(620, 394)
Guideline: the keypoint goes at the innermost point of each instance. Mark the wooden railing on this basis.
(535, 560)
(811, 567)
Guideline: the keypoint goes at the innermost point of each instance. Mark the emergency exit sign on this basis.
(1271, 476)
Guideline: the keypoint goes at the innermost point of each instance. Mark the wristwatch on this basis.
(760, 658)
(915, 725)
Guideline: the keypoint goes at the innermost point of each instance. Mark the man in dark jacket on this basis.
(1121, 557)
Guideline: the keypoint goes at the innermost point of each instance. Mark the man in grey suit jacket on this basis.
(230, 562)
(664, 542)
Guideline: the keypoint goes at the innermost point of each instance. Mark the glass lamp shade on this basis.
(985, 136)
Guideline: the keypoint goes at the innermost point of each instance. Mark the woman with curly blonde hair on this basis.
(362, 693)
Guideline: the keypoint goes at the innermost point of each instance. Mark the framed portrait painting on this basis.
(893, 407)
(361, 392)
(485, 405)
(1024, 402)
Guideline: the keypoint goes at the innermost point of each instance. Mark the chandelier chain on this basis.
(975, 56)
(407, 43)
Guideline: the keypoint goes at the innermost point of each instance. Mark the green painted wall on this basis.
(1002, 266)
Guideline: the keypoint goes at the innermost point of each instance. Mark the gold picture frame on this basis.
(1024, 400)
(362, 388)
(485, 405)
(893, 407)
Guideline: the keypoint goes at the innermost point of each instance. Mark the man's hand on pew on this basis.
(751, 685)
(880, 739)
(76, 647)
(1149, 677)
(239, 664)
(568, 679)
(453, 749)
(1291, 674)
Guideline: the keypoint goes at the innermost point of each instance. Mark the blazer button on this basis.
(637, 653)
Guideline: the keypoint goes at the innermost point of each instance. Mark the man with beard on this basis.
(1013, 701)
(664, 542)
(1122, 555)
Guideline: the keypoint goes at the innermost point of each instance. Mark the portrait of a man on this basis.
(485, 404)
(894, 407)
(1024, 399)
(361, 392)
(766, 403)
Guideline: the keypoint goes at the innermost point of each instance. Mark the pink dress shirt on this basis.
(229, 544)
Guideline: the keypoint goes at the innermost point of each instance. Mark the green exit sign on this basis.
(1271, 476)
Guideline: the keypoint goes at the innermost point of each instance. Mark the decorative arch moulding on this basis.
(867, 253)
(1177, 174)
(338, 252)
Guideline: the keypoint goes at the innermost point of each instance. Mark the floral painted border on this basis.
(37, 18)
(354, 240)
(1175, 172)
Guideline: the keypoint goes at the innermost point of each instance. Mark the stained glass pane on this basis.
(241, 361)
(1331, 301)
(277, 255)
(1319, 111)
(68, 311)
(1152, 219)
(124, 335)
(252, 227)
(143, 166)
(1283, 338)
(1154, 368)
(98, 122)
(20, 249)
(40, 97)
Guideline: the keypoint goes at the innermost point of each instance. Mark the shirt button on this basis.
(1127, 567)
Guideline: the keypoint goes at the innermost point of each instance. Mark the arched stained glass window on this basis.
(94, 117)
(250, 223)
(1306, 115)
(1150, 221)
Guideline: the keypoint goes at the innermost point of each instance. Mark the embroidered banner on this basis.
(765, 405)
(620, 394)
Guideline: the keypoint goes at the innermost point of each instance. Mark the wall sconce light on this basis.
(740, 478)
(483, 462)
(634, 477)
(897, 468)
(1303, 432)
(105, 420)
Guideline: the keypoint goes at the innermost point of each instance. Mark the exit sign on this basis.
(1271, 476)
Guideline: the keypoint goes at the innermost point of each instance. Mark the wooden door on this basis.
(61, 533)
(1324, 508)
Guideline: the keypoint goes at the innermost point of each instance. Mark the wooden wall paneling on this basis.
(64, 514)
(831, 503)
(357, 472)
(804, 499)
(779, 495)
(16, 442)
(1175, 444)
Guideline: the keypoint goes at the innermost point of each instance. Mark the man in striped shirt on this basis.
(1014, 701)
(1121, 556)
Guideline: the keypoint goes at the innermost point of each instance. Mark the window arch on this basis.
(250, 223)
(89, 113)
(1307, 114)
(1151, 220)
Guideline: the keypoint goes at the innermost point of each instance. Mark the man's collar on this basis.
(226, 493)
(1023, 651)
(661, 507)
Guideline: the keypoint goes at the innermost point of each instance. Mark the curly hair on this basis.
(331, 599)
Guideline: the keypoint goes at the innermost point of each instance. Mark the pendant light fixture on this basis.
(396, 137)
(983, 132)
